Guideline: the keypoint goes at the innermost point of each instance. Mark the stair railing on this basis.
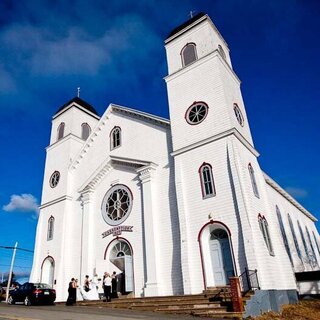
(249, 280)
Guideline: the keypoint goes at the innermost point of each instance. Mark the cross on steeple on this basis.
(78, 92)
(191, 14)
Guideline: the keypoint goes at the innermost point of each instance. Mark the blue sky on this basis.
(114, 51)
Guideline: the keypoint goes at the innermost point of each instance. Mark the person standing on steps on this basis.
(114, 293)
(107, 287)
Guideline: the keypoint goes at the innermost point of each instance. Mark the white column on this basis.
(87, 236)
(149, 218)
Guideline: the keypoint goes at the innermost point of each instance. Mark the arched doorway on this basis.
(216, 254)
(119, 253)
(47, 271)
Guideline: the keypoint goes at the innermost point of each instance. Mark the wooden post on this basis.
(236, 297)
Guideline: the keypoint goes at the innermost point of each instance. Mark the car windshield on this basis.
(42, 286)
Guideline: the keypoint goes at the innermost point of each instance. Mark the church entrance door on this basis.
(221, 259)
(47, 271)
(121, 257)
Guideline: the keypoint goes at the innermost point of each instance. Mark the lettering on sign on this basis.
(116, 231)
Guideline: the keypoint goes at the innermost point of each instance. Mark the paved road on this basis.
(62, 312)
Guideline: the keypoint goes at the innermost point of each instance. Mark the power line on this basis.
(27, 250)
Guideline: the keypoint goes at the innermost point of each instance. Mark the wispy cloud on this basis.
(22, 203)
(297, 192)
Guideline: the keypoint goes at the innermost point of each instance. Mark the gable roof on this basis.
(80, 102)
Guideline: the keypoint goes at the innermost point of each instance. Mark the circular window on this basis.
(116, 205)
(197, 112)
(54, 179)
(238, 114)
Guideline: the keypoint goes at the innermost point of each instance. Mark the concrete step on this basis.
(218, 315)
(190, 310)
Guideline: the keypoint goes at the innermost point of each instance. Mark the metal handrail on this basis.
(249, 280)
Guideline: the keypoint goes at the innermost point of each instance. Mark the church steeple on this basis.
(201, 83)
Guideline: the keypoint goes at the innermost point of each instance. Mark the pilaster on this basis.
(146, 176)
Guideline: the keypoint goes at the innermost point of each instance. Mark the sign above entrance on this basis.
(116, 231)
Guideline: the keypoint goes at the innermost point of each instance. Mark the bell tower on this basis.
(203, 90)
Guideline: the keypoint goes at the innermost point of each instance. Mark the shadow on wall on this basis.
(241, 249)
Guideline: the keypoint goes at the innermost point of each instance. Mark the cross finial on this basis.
(191, 14)
(78, 92)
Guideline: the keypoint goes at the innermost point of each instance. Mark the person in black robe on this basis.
(72, 293)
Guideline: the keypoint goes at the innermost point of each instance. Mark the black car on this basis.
(32, 293)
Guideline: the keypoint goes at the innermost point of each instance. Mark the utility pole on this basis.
(11, 269)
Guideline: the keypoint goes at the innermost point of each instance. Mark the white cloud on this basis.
(297, 192)
(22, 203)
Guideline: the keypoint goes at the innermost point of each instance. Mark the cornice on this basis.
(65, 138)
(196, 63)
(50, 203)
(286, 195)
(146, 173)
(106, 166)
(232, 131)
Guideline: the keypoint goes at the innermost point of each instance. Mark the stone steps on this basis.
(208, 304)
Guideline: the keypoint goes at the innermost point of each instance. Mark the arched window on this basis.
(263, 224)
(294, 236)
(253, 181)
(188, 54)
(61, 131)
(85, 131)
(303, 241)
(238, 114)
(115, 138)
(316, 241)
(221, 51)
(283, 233)
(314, 258)
(207, 182)
(50, 228)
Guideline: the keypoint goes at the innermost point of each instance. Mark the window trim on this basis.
(264, 227)
(202, 182)
(182, 56)
(284, 234)
(89, 130)
(189, 109)
(50, 230)
(253, 180)
(61, 126)
(311, 245)
(237, 111)
(112, 147)
(294, 236)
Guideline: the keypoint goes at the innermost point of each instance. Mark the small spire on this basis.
(78, 92)
(191, 14)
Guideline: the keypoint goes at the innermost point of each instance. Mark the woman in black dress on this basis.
(72, 292)
(114, 293)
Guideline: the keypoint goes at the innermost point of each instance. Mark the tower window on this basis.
(238, 114)
(85, 131)
(54, 179)
(221, 51)
(61, 131)
(207, 182)
(188, 54)
(197, 112)
(283, 233)
(253, 181)
(264, 227)
(115, 138)
(50, 228)
(296, 244)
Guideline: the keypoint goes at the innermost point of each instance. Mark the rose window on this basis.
(196, 113)
(54, 179)
(116, 205)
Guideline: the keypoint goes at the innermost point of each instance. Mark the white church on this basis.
(175, 205)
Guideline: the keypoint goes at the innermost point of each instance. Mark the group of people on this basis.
(89, 290)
